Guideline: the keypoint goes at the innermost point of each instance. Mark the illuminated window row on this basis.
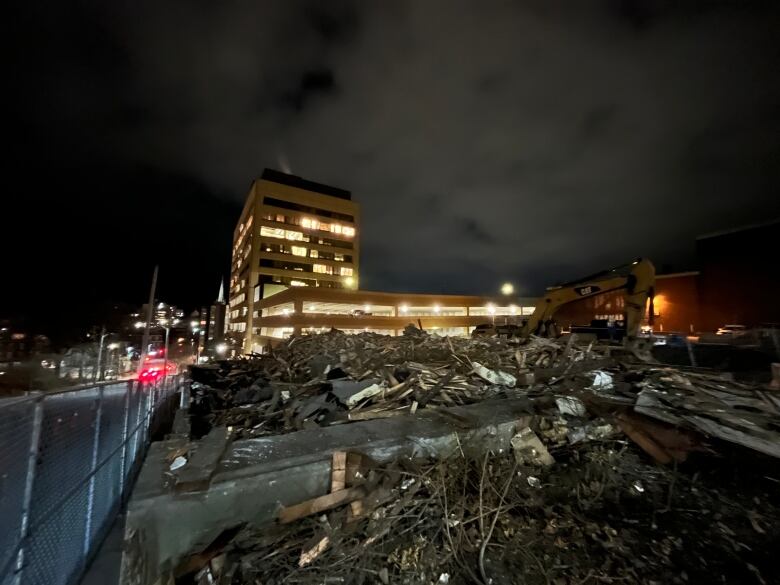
(304, 252)
(293, 235)
(339, 270)
(310, 223)
(406, 310)
(303, 267)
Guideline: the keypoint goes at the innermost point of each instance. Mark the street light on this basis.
(507, 289)
(195, 326)
(492, 310)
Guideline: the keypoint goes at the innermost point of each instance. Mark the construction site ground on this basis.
(421, 459)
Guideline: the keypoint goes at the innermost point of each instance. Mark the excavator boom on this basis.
(636, 279)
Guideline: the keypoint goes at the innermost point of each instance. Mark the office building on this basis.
(291, 233)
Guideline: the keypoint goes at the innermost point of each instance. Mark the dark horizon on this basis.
(531, 143)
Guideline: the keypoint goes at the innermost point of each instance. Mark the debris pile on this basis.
(334, 378)
(601, 514)
(579, 499)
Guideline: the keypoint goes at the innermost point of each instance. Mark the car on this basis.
(149, 374)
(732, 330)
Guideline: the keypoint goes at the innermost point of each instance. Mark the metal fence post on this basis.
(93, 470)
(32, 462)
(125, 425)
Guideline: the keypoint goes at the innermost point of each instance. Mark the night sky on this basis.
(486, 141)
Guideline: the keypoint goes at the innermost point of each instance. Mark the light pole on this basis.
(507, 289)
(194, 325)
(96, 376)
(164, 324)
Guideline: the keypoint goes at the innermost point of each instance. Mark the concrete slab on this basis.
(256, 477)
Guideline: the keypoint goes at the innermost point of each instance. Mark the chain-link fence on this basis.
(67, 460)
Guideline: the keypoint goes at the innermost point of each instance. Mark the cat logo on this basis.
(587, 290)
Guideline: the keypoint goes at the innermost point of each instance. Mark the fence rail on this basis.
(67, 460)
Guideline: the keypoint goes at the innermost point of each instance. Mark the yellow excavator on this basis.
(636, 279)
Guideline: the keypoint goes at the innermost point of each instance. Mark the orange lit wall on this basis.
(676, 303)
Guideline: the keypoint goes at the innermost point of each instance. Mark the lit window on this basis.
(293, 235)
(280, 218)
(325, 227)
(298, 251)
(306, 222)
(298, 283)
(339, 257)
(335, 228)
(272, 232)
(314, 254)
(321, 268)
(346, 271)
(348, 231)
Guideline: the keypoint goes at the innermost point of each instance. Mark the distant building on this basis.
(740, 276)
(292, 233)
(215, 325)
(162, 312)
(316, 310)
(17, 345)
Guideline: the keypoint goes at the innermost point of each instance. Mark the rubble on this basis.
(334, 378)
(600, 514)
(578, 498)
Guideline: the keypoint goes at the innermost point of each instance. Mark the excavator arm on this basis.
(636, 279)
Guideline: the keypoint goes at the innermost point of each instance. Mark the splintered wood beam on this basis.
(316, 505)
(338, 476)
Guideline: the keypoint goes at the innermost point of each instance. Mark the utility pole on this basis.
(149, 313)
(165, 368)
(97, 377)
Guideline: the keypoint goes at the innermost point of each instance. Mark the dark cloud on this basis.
(470, 229)
(528, 141)
(311, 84)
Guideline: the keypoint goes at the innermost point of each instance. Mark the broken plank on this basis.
(316, 505)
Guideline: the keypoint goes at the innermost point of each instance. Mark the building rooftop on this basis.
(298, 182)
